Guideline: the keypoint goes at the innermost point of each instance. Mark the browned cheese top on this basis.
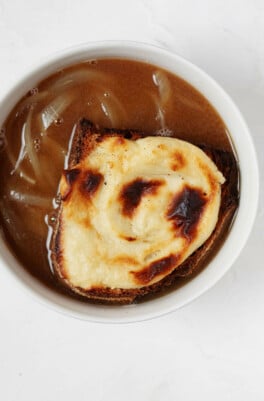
(132, 211)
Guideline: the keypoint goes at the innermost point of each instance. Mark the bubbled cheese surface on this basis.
(134, 210)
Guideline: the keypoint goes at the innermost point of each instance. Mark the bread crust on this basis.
(85, 139)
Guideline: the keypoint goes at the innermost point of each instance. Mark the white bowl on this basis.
(240, 230)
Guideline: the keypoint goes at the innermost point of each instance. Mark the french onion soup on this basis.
(118, 180)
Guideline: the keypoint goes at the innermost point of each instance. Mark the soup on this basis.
(36, 136)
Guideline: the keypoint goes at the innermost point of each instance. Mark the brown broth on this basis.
(111, 93)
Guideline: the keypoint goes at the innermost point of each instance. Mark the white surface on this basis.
(211, 349)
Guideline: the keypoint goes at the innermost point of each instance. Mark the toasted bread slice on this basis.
(137, 213)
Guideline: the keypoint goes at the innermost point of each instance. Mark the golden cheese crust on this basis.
(133, 211)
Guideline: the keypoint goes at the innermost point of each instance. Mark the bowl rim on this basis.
(249, 190)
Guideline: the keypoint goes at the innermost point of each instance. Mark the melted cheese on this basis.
(132, 225)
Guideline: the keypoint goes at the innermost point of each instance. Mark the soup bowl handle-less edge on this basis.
(249, 184)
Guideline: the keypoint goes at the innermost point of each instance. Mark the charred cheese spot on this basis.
(132, 193)
(70, 176)
(178, 161)
(154, 269)
(127, 238)
(186, 210)
(91, 182)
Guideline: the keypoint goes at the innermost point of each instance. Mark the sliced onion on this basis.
(56, 154)
(49, 173)
(29, 146)
(53, 111)
(53, 147)
(22, 152)
(52, 162)
(22, 173)
(31, 101)
(29, 199)
(26, 149)
(78, 77)
(21, 156)
(112, 108)
(26, 177)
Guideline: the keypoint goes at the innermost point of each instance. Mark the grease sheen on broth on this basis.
(114, 93)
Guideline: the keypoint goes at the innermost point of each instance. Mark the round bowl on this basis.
(249, 184)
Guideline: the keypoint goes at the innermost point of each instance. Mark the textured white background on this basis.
(210, 350)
